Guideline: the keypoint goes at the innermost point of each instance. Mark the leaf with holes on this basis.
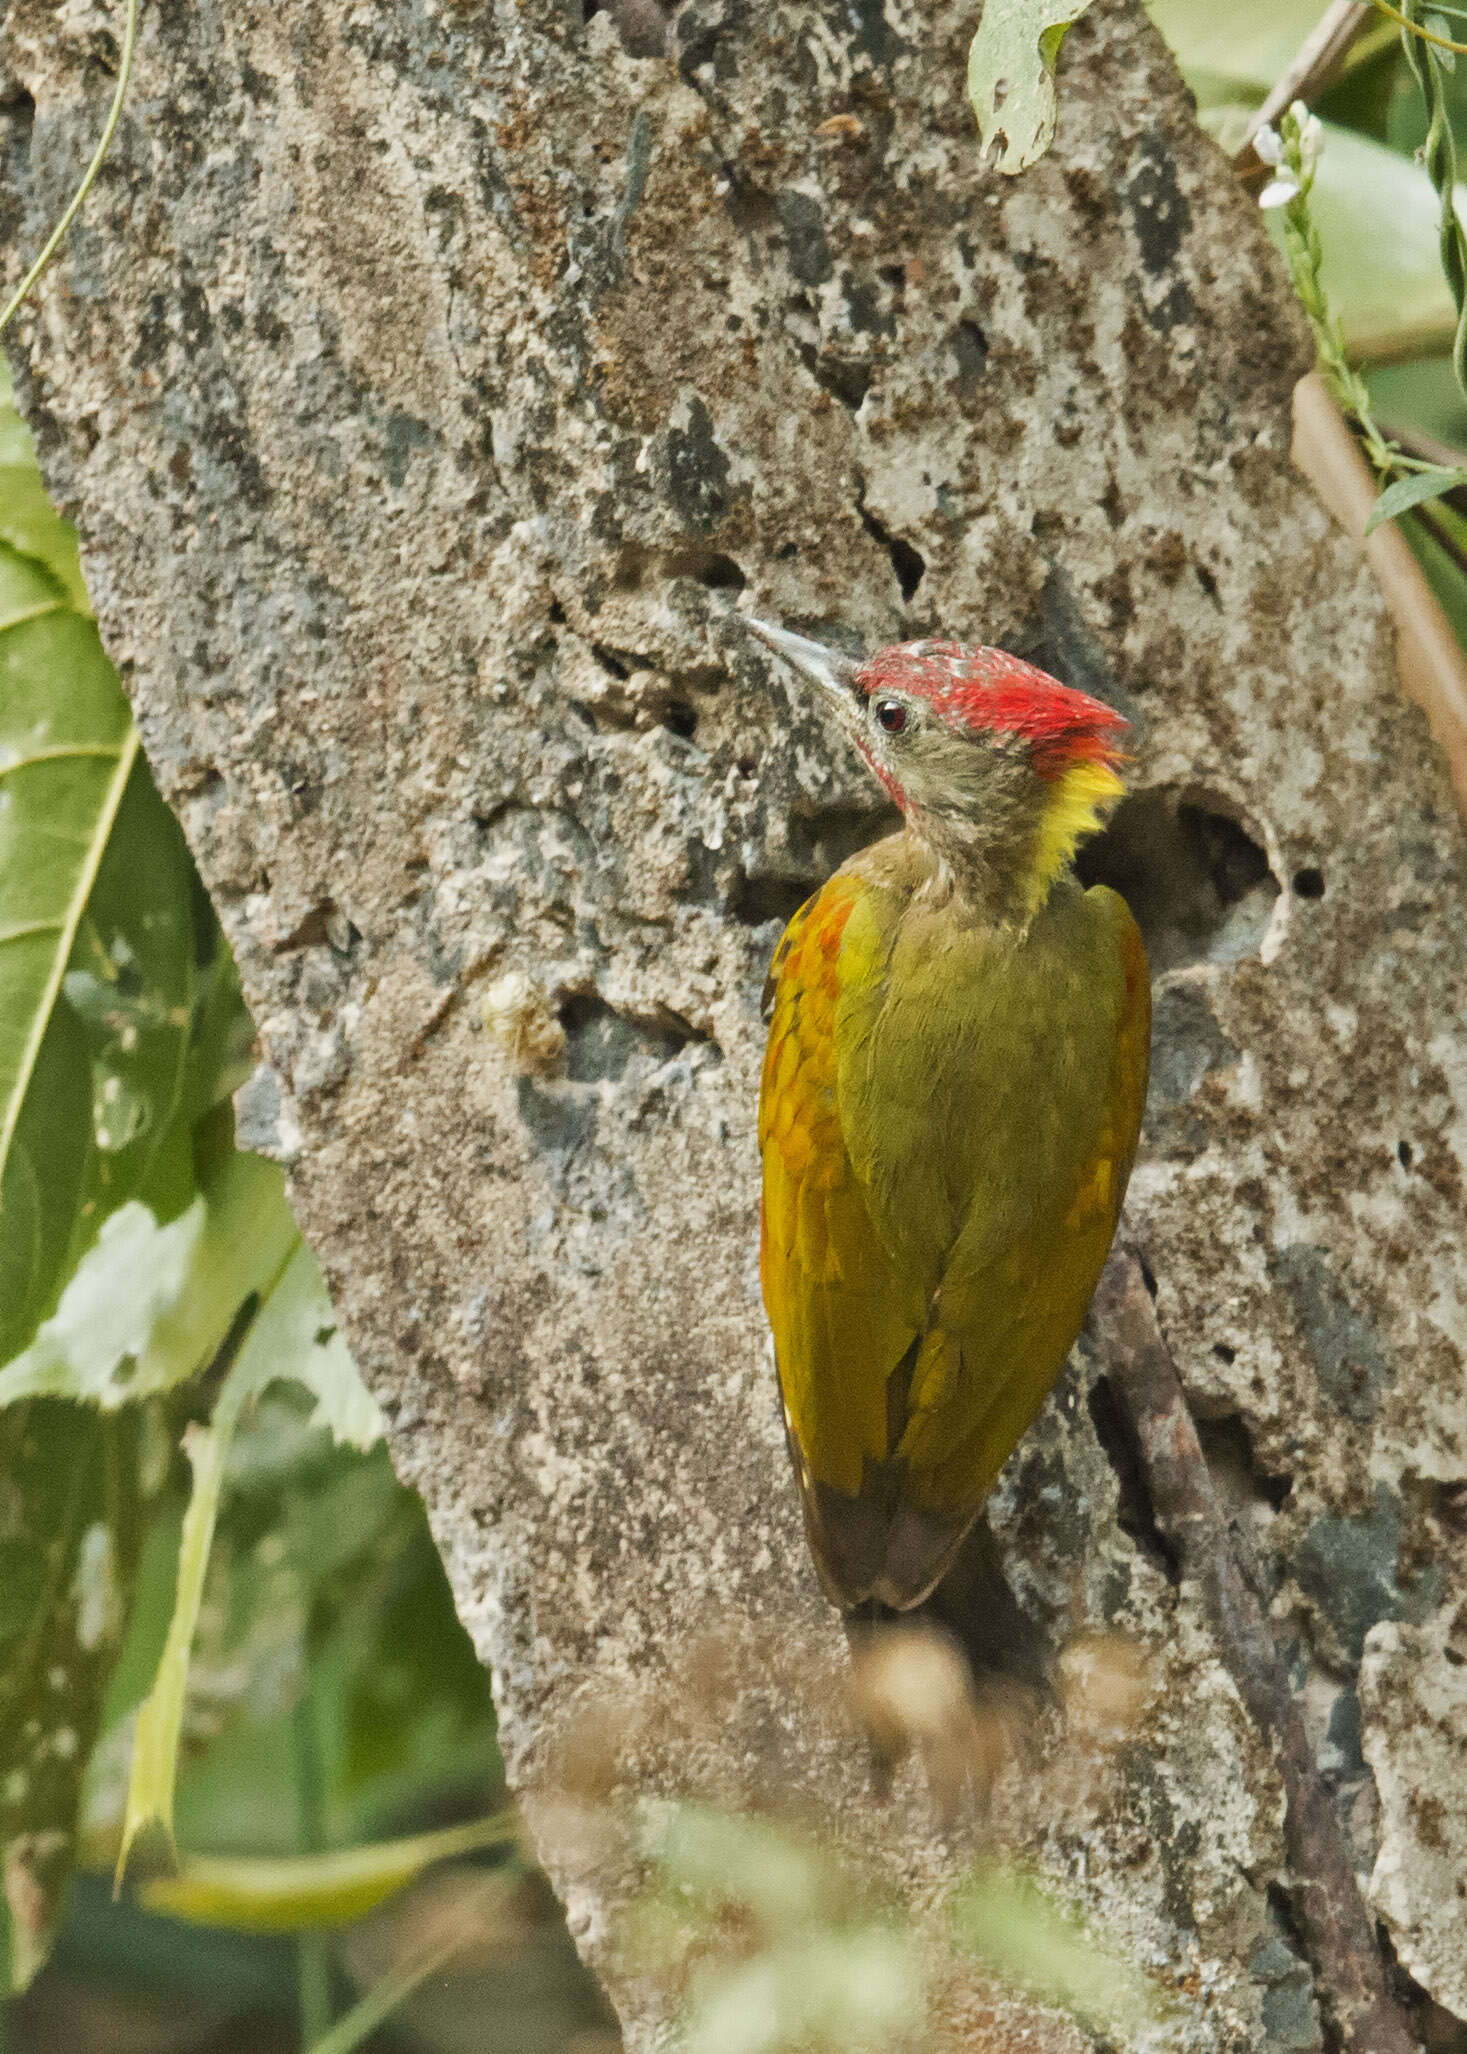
(1011, 75)
(98, 952)
(64, 1572)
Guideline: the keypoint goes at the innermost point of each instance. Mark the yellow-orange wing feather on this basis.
(907, 1378)
(844, 1317)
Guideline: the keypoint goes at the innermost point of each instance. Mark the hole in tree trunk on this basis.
(1196, 880)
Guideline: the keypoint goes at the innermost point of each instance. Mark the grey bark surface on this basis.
(429, 384)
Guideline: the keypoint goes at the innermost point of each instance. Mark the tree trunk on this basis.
(431, 387)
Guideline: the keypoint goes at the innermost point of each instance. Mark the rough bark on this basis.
(429, 384)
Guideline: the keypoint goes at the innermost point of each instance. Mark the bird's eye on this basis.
(891, 715)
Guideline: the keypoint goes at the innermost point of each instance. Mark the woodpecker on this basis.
(959, 1038)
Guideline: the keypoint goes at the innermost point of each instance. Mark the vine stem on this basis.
(114, 113)
(1414, 28)
(1440, 153)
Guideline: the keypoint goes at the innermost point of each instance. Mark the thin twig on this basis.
(1315, 63)
(1334, 1923)
(1430, 448)
(124, 73)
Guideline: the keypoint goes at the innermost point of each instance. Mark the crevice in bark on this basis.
(1339, 1935)
(908, 563)
(847, 379)
(1438, 2030)
(1135, 1513)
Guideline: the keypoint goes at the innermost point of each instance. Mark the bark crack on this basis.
(1334, 1921)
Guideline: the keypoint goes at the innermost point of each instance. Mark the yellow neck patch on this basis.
(1079, 801)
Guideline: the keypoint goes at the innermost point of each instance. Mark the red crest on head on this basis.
(991, 691)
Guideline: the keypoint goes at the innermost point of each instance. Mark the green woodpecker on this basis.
(958, 1049)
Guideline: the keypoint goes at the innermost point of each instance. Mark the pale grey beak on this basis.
(825, 667)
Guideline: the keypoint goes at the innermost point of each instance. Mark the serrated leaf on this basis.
(1408, 492)
(1011, 75)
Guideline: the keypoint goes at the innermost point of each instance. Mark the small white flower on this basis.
(1268, 145)
(1311, 134)
(1279, 191)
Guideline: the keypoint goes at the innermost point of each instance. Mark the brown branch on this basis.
(1336, 1927)
(1315, 63)
(1430, 660)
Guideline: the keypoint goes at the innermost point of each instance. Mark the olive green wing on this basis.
(1003, 1327)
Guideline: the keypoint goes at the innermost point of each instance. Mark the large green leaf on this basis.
(29, 526)
(151, 1302)
(99, 958)
(1376, 213)
(63, 1576)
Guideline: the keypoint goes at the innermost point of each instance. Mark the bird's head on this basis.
(1000, 769)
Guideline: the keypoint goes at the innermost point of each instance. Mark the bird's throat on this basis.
(1004, 869)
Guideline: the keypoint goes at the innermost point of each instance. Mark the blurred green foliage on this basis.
(1377, 215)
(218, 1608)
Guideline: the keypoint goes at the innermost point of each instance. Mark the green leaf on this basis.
(28, 523)
(149, 1304)
(1244, 47)
(1022, 1938)
(327, 1573)
(1410, 491)
(64, 1571)
(293, 1338)
(1377, 217)
(288, 1335)
(99, 954)
(311, 1892)
(160, 1716)
(1011, 75)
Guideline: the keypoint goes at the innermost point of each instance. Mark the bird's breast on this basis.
(974, 1066)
